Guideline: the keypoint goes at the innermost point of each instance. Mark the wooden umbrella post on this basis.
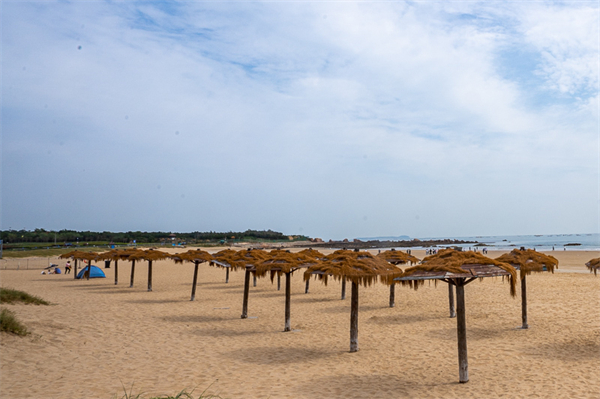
(392, 295)
(75, 267)
(246, 289)
(288, 295)
(278, 281)
(306, 286)
(354, 318)
(524, 302)
(116, 271)
(461, 328)
(196, 263)
(89, 270)
(451, 301)
(149, 275)
(528, 261)
(254, 279)
(226, 275)
(343, 288)
(132, 273)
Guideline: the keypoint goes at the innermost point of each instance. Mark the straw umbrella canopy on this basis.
(116, 255)
(247, 260)
(343, 279)
(284, 262)
(219, 259)
(396, 258)
(459, 269)
(197, 256)
(83, 256)
(528, 261)
(75, 256)
(361, 268)
(313, 253)
(593, 265)
(149, 255)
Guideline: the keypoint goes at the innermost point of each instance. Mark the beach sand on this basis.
(97, 338)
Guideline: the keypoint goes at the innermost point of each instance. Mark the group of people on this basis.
(54, 269)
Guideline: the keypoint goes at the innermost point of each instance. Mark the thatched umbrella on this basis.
(221, 255)
(284, 262)
(343, 279)
(593, 265)
(83, 256)
(246, 259)
(116, 255)
(197, 256)
(459, 269)
(396, 258)
(528, 261)
(75, 256)
(150, 255)
(313, 253)
(361, 268)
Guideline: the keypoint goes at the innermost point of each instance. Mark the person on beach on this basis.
(68, 267)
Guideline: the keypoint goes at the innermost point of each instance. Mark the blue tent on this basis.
(96, 272)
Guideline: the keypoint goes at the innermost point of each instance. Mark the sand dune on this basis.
(98, 337)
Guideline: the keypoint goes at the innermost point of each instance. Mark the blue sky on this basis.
(330, 119)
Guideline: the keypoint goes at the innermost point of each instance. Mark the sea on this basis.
(542, 242)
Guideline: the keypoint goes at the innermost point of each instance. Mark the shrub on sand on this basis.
(10, 324)
(8, 295)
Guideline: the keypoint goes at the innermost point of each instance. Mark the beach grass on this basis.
(9, 295)
(10, 324)
(183, 394)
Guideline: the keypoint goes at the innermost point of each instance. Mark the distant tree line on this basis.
(72, 236)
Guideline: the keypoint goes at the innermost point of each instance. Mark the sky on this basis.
(332, 119)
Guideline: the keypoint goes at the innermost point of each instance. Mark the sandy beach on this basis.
(98, 337)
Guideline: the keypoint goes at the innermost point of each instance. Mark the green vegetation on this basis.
(10, 324)
(55, 242)
(184, 394)
(8, 295)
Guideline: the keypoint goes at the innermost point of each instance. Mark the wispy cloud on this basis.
(340, 119)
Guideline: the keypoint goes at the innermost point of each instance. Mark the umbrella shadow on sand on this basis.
(345, 306)
(314, 299)
(220, 287)
(89, 287)
(475, 334)
(402, 319)
(155, 301)
(269, 294)
(381, 386)
(268, 355)
(195, 319)
(576, 349)
(54, 280)
(111, 290)
(220, 333)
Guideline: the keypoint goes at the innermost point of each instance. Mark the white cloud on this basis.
(567, 39)
(345, 119)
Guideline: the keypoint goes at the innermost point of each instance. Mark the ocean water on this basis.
(588, 242)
